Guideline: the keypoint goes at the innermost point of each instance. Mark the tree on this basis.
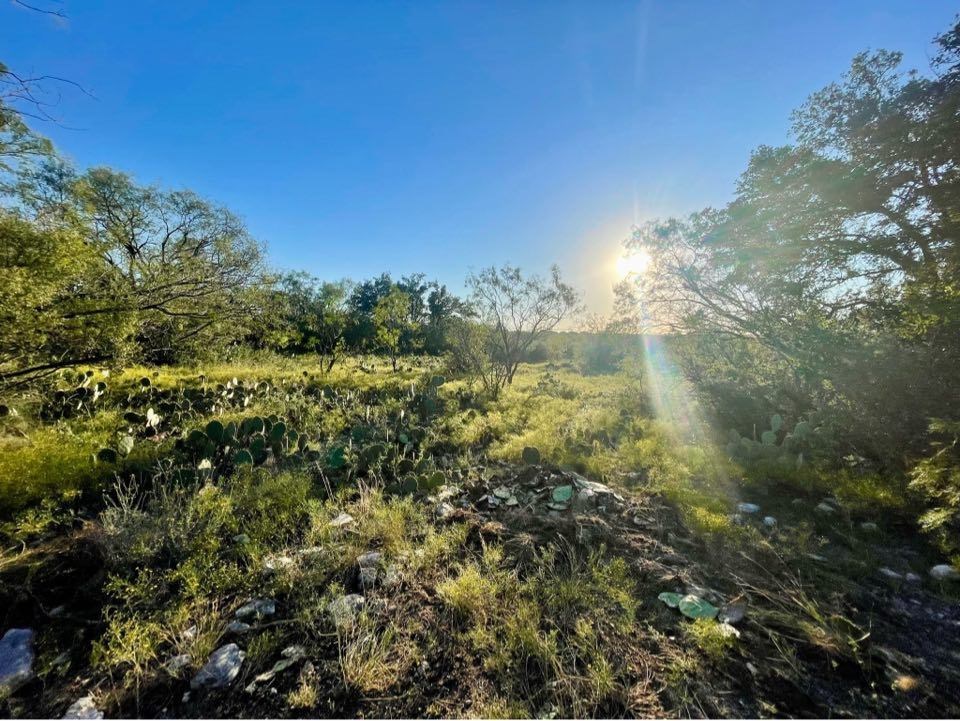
(838, 255)
(391, 318)
(515, 311)
(315, 316)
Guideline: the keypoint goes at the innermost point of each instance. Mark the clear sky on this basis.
(358, 137)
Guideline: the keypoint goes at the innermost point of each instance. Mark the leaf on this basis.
(562, 494)
(671, 599)
(695, 607)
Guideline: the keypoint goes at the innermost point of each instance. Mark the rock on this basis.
(748, 508)
(502, 492)
(797, 502)
(83, 708)
(343, 609)
(816, 557)
(391, 576)
(276, 563)
(890, 574)
(342, 521)
(737, 519)
(443, 511)
(825, 508)
(241, 538)
(770, 522)
(370, 559)
(913, 578)
(728, 631)
(732, 613)
(944, 572)
(221, 669)
(869, 527)
(177, 664)
(16, 659)
(238, 627)
(290, 655)
(257, 608)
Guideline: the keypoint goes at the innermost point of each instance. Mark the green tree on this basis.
(391, 318)
(838, 255)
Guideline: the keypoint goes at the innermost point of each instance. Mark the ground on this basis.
(412, 549)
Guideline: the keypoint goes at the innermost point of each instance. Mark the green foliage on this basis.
(937, 479)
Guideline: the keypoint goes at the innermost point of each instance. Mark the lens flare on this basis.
(633, 264)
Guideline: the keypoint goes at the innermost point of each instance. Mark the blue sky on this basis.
(358, 137)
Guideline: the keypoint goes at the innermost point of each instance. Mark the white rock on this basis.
(825, 508)
(914, 578)
(221, 669)
(770, 522)
(444, 511)
(944, 572)
(748, 508)
(83, 708)
(16, 659)
(891, 574)
(869, 527)
(344, 519)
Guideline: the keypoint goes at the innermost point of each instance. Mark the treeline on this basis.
(99, 269)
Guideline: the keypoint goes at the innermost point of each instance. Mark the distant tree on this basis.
(362, 334)
(315, 316)
(442, 309)
(514, 312)
(391, 319)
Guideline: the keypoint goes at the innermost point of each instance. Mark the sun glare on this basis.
(633, 264)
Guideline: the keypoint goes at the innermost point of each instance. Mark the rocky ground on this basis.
(860, 627)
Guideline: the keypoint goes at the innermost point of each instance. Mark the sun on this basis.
(633, 264)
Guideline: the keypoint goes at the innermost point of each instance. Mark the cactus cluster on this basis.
(255, 441)
(77, 401)
(790, 448)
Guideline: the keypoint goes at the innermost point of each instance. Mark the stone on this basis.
(391, 576)
(276, 563)
(443, 511)
(238, 627)
(177, 664)
(748, 508)
(370, 559)
(221, 669)
(257, 608)
(341, 521)
(343, 609)
(584, 500)
(16, 659)
(869, 527)
(770, 522)
(732, 613)
(289, 656)
(825, 508)
(890, 574)
(83, 708)
(944, 572)
(913, 578)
